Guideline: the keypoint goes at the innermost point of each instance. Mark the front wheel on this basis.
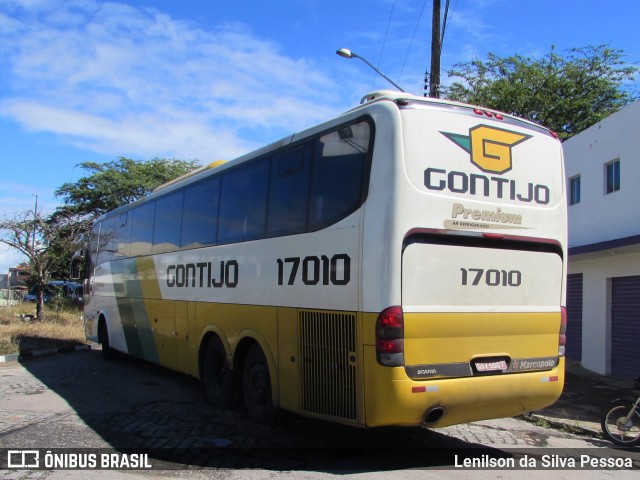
(108, 353)
(620, 427)
(256, 386)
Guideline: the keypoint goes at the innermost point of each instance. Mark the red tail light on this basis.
(562, 340)
(390, 337)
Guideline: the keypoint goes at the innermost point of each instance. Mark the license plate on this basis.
(492, 366)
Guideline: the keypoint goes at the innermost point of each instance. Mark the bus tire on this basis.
(108, 353)
(256, 386)
(217, 376)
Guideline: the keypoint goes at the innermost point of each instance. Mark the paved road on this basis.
(79, 400)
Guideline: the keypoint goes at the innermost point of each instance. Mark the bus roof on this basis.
(405, 99)
(401, 99)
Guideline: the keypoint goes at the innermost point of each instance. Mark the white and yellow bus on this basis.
(402, 264)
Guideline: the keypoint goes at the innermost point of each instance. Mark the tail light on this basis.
(562, 340)
(390, 337)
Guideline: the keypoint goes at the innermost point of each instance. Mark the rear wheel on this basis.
(619, 427)
(217, 376)
(256, 386)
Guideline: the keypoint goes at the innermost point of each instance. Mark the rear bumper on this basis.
(391, 398)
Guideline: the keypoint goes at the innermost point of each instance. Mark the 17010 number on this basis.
(492, 277)
(324, 270)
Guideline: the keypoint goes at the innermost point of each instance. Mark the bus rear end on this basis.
(475, 328)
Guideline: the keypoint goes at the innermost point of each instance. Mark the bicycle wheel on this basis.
(619, 427)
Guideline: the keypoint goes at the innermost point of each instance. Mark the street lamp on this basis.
(346, 53)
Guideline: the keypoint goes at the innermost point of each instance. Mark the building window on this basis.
(612, 174)
(574, 190)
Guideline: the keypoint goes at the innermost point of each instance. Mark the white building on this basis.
(603, 294)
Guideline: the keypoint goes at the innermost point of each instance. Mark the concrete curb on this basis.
(16, 357)
(586, 429)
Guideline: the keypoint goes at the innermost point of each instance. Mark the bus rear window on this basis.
(339, 173)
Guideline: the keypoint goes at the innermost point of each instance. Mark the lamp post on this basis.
(346, 53)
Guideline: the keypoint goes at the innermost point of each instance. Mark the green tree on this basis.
(49, 242)
(110, 185)
(566, 93)
(45, 243)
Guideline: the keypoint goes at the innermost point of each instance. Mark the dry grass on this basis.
(60, 328)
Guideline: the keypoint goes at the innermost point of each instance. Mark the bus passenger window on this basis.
(94, 236)
(289, 193)
(122, 238)
(166, 231)
(200, 215)
(108, 241)
(142, 229)
(243, 203)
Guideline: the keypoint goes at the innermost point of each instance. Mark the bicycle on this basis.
(621, 421)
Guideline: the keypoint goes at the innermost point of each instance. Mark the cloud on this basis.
(118, 79)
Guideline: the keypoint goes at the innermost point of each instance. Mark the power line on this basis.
(384, 41)
(412, 38)
(444, 23)
(447, 16)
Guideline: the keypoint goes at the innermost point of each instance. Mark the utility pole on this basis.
(436, 49)
(35, 222)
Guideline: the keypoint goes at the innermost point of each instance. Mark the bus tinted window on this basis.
(123, 235)
(243, 204)
(338, 173)
(200, 218)
(142, 229)
(95, 246)
(289, 193)
(166, 232)
(104, 249)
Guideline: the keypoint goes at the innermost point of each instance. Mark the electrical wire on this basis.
(415, 30)
(384, 41)
(446, 17)
(444, 21)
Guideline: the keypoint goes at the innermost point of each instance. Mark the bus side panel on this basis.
(183, 346)
(289, 359)
(162, 316)
(104, 301)
(167, 319)
(132, 309)
(192, 354)
(381, 244)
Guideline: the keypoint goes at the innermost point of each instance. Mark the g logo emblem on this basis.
(489, 147)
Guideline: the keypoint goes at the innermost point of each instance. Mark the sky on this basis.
(91, 80)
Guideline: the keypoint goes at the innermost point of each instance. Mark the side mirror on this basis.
(76, 265)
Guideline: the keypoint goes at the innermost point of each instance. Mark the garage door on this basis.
(625, 327)
(574, 316)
